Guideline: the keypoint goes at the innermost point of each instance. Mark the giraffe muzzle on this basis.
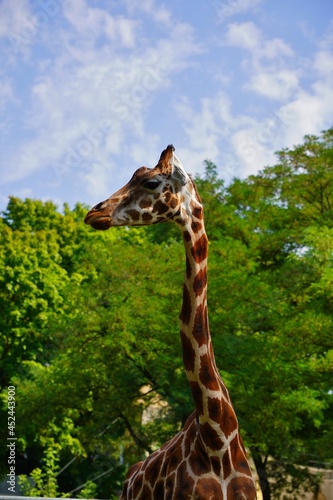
(97, 220)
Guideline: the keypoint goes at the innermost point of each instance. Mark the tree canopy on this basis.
(89, 329)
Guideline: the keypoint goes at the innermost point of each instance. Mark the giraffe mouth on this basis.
(97, 221)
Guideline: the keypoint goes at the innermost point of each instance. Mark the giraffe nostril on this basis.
(99, 206)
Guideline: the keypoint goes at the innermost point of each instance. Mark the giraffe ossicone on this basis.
(206, 459)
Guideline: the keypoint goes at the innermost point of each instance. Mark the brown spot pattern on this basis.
(199, 464)
(228, 421)
(169, 487)
(197, 396)
(160, 207)
(226, 464)
(211, 437)
(137, 485)
(196, 226)
(214, 409)
(167, 196)
(209, 488)
(146, 217)
(159, 489)
(241, 487)
(188, 268)
(134, 214)
(187, 236)
(207, 374)
(200, 327)
(145, 203)
(146, 492)
(184, 478)
(216, 465)
(238, 456)
(190, 428)
(174, 202)
(186, 311)
(200, 282)
(197, 212)
(175, 458)
(199, 250)
(153, 469)
(188, 353)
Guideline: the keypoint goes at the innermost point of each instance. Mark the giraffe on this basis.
(206, 459)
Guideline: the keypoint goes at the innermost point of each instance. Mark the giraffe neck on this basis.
(208, 390)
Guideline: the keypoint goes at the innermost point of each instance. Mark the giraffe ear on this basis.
(173, 165)
(166, 155)
(178, 170)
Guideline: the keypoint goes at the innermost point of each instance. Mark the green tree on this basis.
(38, 248)
(276, 311)
(31, 281)
(100, 330)
(114, 338)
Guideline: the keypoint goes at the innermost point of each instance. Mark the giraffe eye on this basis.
(152, 184)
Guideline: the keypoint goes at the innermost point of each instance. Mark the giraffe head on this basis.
(152, 195)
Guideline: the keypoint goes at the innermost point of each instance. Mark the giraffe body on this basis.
(206, 459)
(183, 469)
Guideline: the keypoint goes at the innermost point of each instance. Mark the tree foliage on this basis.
(89, 329)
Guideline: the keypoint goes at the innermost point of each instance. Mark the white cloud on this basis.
(308, 113)
(83, 18)
(146, 153)
(323, 63)
(326, 42)
(243, 35)
(96, 181)
(86, 87)
(251, 153)
(250, 138)
(92, 23)
(311, 109)
(274, 84)
(156, 11)
(14, 17)
(206, 129)
(6, 93)
(228, 8)
(268, 63)
(275, 48)
(248, 36)
(302, 104)
(24, 23)
(202, 127)
(104, 81)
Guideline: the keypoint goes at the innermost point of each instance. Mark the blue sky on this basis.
(92, 89)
